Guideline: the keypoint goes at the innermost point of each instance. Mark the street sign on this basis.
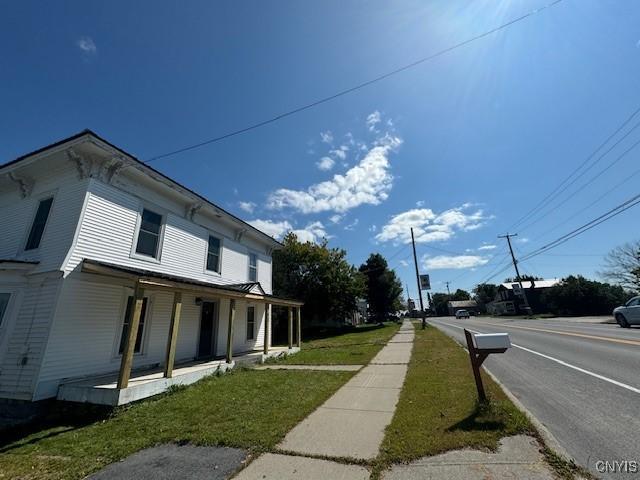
(517, 289)
(425, 283)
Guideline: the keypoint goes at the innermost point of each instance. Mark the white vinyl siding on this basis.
(108, 230)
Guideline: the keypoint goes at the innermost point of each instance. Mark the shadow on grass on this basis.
(320, 333)
(54, 419)
(483, 418)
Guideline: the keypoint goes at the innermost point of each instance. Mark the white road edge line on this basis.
(561, 362)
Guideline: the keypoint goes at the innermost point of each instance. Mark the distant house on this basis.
(509, 302)
(470, 305)
(112, 274)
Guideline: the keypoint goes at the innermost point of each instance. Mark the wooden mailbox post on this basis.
(480, 346)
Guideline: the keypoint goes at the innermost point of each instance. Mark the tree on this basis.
(622, 266)
(318, 275)
(576, 295)
(460, 294)
(383, 288)
(484, 293)
(439, 302)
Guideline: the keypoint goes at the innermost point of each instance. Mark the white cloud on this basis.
(453, 261)
(352, 225)
(274, 229)
(336, 218)
(373, 119)
(488, 247)
(404, 263)
(340, 152)
(326, 137)
(373, 228)
(420, 203)
(313, 232)
(368, 182)
(325, 163)
(429, 226)
(522, 240)
(248, 207)
(87, 45)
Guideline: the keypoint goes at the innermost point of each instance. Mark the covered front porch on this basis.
(103, 389)
(126, 385)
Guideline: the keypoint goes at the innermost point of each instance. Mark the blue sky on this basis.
(459, 147)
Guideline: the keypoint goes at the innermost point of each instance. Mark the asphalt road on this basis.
(581, 380)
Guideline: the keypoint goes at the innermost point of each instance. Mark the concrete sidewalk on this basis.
(350, 424)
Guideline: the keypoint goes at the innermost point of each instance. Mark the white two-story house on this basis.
(117, 282)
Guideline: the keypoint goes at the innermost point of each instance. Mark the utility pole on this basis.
(448, 291)
(515, 265)
(415, 261)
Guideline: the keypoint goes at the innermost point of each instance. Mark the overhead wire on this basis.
(354, 88)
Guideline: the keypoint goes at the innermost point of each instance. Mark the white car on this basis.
(462, 314)
(629, 314)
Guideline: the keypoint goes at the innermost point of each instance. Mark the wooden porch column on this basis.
(299, 340)
(290, 327)
(267, 327)
(173, 334)
(232, 314)
(130, 342)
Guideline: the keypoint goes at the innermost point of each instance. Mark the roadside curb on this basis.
(549, 439)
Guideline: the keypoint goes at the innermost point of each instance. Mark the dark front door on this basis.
(206, 345)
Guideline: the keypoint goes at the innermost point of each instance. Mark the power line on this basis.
(590, 181)
(615, 187)
(355, 87)
(633, 201)
(557, 191)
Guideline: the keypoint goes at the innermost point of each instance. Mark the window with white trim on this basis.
(253, 267)
(251, 323)
(4, 303)
(213, 254)
(149, 234)
(127, 322)
(39, 222)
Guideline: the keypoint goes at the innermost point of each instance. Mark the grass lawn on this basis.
(438, 408)
(354, 348)
(244, 408)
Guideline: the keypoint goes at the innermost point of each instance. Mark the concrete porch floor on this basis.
(145, 383)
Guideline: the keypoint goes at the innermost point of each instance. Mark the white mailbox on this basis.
(491, 341)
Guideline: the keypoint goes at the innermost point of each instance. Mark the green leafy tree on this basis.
(439, 303)
(318, 275)
(383, 288)
(484, 293)
(575, 295)
(460, 294)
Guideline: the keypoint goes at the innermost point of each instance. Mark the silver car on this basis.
(462, 314)
(629, 314)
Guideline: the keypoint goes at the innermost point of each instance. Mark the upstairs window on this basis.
(253, 267)
(149, 234)
(127, 322)
(213, 254)
(39, 222)
(4, 303)
(251, 323)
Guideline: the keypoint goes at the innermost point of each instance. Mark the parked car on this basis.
(629, 313)
(462, 314)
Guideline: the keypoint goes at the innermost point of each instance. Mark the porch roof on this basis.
(151, 278)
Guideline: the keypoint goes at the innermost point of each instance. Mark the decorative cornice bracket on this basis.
(25, 184)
